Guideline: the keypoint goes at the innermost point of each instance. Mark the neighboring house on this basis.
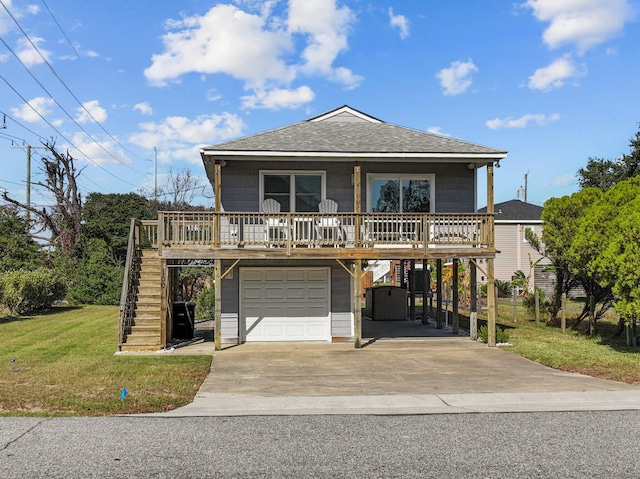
(514, 253)
(288, 263)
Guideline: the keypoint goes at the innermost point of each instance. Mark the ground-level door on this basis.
(285, 304)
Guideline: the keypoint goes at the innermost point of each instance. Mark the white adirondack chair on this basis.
(328, 228)
(275, 227)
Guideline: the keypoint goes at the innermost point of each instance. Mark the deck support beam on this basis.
(473, 286)
(454, 299)
(357, 303)
(439, 293)
(491, 299)
(217, 281)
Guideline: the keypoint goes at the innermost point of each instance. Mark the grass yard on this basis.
(62, 364)
(603, 356)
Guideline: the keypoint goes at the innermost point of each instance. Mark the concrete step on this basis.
(139, 347)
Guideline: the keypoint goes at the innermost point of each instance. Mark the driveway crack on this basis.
(23, 434)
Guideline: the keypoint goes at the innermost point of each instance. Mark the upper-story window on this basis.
(400, 193)
(296, 191)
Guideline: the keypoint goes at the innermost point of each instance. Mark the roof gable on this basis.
(516, 210)
(349, 132)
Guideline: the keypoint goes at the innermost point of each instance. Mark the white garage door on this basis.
(285, 304)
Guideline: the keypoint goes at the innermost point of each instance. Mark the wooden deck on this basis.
(229, 235)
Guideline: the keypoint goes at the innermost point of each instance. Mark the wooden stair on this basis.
(146, 332)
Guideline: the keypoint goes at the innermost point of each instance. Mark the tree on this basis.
(561, 218)
(64, 219)
(178, 191)
(603, 174)
(108, 217)
(17, 249)
(607, 244)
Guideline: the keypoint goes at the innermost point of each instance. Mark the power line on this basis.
(21, 125)
(44, 59)
(60, 27)
(63, 109)
(59, 133)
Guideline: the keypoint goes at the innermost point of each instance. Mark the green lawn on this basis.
(63, 363)
(602, 356)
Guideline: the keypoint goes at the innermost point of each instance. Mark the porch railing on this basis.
(355, 230)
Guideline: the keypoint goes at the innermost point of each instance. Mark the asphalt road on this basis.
(507, 445)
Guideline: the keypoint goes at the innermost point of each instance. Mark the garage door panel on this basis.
(317, 275)
(286, 304)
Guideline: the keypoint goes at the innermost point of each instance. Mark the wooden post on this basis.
(455, 298)
(412, 290)
(563, 319)
(439, 293)
(473, 317)
(491, 308)
(357, 304)
(514, 294)
(536, 297)
(426, 289)
(496, 296)
(357, 206)
(217, 284)
(491, 300)
(165, 301)
(592, 316)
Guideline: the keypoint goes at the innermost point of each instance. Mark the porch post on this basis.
(357, 204)
(217, 184)
(455, 295)
(357, 303)
(439, 293)
(217, 281)
(473, 286)
(491, 299)
(412, 290)
(165, 300)
(426, 289)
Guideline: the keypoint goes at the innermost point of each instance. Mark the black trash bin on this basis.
(183, 319)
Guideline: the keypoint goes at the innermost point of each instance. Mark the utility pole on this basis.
(28, 195)
(155, 174)
(526, 175)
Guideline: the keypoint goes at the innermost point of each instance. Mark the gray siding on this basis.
(454, 183)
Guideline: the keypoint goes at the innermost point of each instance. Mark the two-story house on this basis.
(298, 209)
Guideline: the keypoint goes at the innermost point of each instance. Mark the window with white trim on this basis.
(296, 191)
(389, 193)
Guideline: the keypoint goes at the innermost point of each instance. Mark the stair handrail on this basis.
(126, 296)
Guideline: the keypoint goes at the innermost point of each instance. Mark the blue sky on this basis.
(553, 82)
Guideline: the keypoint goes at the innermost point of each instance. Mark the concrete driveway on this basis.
(391, 376)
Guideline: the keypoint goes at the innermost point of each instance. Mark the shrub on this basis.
(529, 302)
(25, 292)
(205, 303)
(96, 278)
(502, 336)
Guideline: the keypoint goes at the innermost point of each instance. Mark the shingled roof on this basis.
(346, 130)
(516, 210)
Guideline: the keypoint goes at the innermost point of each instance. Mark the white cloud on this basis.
(25, 112)
(213, 95)
(555, 75)
(400, 22)
(6, 23)
(144, 108)
(29, 55)
(102, 152)
(583, 23)
(437, 130)
(91, 109)
(523, 121)
(224, 40)
(178, 136)
(326, 28)
(457, 78)
(565, 180)
(258, 48)
(279, 98)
